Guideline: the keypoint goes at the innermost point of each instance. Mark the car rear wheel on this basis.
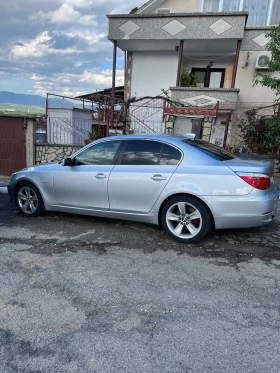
(29, 200)
(186, 219)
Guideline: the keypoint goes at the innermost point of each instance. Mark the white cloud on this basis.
(43, 46)
(78, 3)
(65, 15)
(75, 84)
(60, 44)
(35, 48)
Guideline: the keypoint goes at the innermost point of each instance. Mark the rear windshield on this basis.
(212, 150)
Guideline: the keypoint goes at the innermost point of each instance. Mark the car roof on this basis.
(162, 137)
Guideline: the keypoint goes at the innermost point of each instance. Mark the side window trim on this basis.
(113, 163)
(118, 162)
(174, 147)
(122, 149)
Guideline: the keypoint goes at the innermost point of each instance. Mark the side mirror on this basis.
(67, 162)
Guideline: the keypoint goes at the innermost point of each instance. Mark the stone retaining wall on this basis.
(277, 167)
(46, 153)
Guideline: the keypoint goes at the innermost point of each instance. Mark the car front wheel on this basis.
(29, 200)
(186, 219)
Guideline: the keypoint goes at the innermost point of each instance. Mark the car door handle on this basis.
(100, 176)
(158, 178)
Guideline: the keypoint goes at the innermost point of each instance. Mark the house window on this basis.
(210, 78)
(275, 16)
(231, 5)
(261, 12)
(258, 12)
(211, 5)
(164, 10)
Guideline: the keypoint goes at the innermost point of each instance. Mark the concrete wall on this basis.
(245, 75)
(180, 6)
(152, 71)
(47, 153)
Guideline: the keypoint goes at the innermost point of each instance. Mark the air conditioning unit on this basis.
(262, 61)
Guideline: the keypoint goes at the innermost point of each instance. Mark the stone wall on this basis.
(47, 153)
(277, 167)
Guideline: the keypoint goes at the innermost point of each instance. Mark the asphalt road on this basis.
(81, 294)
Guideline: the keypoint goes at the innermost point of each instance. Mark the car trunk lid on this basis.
(260, 166)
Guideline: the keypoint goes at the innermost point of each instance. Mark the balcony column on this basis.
(237, 54)
(180, 60)
(113, 86)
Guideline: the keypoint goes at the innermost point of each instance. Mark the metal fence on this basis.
(70, 120)
(146, 116)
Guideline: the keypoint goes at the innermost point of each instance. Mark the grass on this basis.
(13, 109)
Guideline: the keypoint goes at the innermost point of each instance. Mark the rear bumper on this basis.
(256, 209)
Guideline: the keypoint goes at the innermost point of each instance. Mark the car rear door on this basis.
(142, 172)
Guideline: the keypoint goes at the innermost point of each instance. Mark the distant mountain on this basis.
(22, 99)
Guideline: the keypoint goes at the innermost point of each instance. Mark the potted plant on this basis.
(91, 137)
(188, 79)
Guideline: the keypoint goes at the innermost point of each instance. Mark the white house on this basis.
(68, 125)
(223, 42)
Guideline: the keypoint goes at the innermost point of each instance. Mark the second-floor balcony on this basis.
(199, 97)
(136, 32)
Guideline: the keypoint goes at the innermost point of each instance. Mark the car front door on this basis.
(84, 184)
(142, 172)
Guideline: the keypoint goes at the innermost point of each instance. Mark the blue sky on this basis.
(58, 46)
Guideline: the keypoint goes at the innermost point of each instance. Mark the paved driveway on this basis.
(81, 294)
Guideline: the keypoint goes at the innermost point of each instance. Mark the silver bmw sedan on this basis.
(186, 186)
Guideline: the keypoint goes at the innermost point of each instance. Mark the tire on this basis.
(29, 200)
(186, 219)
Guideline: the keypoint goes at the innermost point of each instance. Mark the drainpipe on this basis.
(180, 59)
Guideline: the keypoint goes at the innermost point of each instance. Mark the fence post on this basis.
(30, 141)
(226, 130)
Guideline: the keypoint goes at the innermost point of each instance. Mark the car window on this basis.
(212, 150)
(99, 154)
(170, 155)
(141, 152)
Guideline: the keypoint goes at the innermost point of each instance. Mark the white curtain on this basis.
(258, 11)
(211, 5)
(231, 5)
(275, 17)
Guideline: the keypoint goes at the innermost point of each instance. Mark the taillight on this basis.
(258, 181)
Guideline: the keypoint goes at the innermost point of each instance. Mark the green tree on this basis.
(273, 82)
(273, 46)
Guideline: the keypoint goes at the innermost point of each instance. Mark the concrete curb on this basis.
(3, 190)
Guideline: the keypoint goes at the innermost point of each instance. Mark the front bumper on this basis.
(11, 191)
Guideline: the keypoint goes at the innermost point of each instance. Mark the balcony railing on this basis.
(205, 97)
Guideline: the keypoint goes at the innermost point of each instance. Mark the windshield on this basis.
(212, 150)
